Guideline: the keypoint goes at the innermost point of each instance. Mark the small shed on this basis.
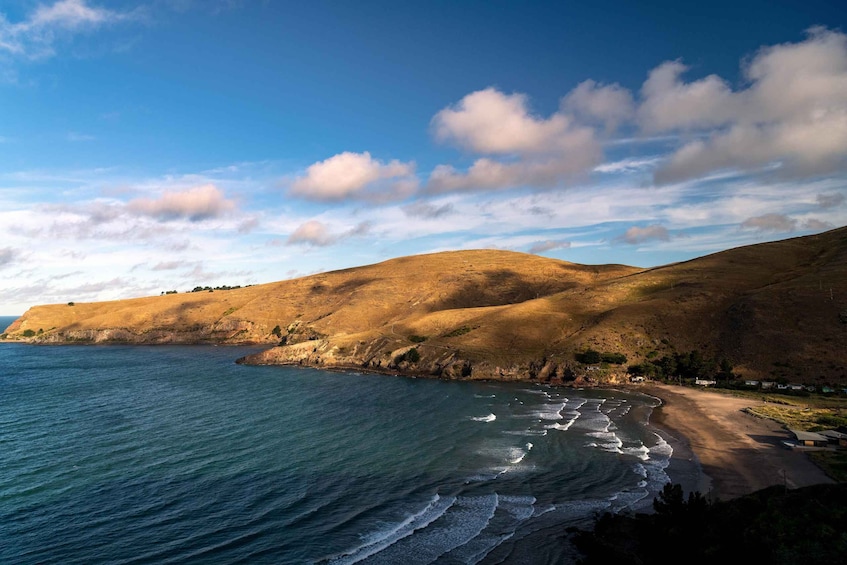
(835, 438)
(810, 439)
(705, 382)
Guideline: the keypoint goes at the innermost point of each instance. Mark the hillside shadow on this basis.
(499, 288)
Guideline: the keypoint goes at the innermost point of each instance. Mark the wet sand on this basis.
(738, 453)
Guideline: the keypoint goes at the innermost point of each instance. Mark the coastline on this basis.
(721, 451)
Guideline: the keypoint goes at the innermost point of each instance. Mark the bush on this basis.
(613, 358)
(589, 357)
(277, 331)
(412, 356)
(417, 338)
(70, 303)
(28, 333)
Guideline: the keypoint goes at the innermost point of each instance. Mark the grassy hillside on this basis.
(773, 310)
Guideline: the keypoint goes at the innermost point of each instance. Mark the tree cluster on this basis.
(769, 526)
(691, 365)
(594, 357)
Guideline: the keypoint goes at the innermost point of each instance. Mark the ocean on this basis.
(175, 454)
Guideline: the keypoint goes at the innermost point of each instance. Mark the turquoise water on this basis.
(166, 454)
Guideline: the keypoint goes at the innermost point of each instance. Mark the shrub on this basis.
(412, 356)
(417, 338)
(277, 331)
(613, 358)
(28, 333)
(70, 303)
(589, 357)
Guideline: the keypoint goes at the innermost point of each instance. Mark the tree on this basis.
(277, 331)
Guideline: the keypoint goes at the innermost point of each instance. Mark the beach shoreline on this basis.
(721, 451)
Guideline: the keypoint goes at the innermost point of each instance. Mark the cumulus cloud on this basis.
(427, 211)
(522, 149)
(356, 176)
(317, 234)
(548, 245)
(195, 204)
(610, 105)
(770, 223)
(636, 234)
(830, 200)
(36, 36)
(793, 113)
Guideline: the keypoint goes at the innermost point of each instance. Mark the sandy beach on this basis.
(738, 453)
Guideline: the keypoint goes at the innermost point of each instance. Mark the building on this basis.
(810, 439)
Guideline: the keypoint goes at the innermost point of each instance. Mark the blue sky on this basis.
(159, 145)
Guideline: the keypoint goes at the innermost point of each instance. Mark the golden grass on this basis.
(760, 306)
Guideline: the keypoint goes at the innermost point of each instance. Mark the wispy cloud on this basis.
(770, 223)
(637, 235)
(318, 234)
(548, 245)
(36, 36)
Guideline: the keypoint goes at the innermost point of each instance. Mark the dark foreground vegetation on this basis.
(774, 525)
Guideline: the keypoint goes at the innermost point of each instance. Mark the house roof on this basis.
(833, 434)
(808, 436)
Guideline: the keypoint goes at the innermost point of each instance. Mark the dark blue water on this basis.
(176, 455)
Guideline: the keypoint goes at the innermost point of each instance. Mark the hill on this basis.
(773, 310)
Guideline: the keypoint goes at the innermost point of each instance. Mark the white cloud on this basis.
(36, 36)
(317, 234)
(669, 104)
(611, 105)
(793, 113)
(427, 211)
(548, 245)
(195, 204)
(488, 121)
(356, 176)
(636, 234)
(540, 152)
(770, 223)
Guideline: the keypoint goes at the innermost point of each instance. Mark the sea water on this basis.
(170, 454)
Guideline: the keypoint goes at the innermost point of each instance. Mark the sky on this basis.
(157, 145)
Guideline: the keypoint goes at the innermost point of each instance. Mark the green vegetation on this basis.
(210, 289)
(459, 331)
(594, 357)
(28, 333)
(692, 365)
(412, 356)
(833, 463)
(417, 338)
(70, 303)
(229, 311)
(799, 417)
(773, 525)
(169, 292)
(277, 331)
